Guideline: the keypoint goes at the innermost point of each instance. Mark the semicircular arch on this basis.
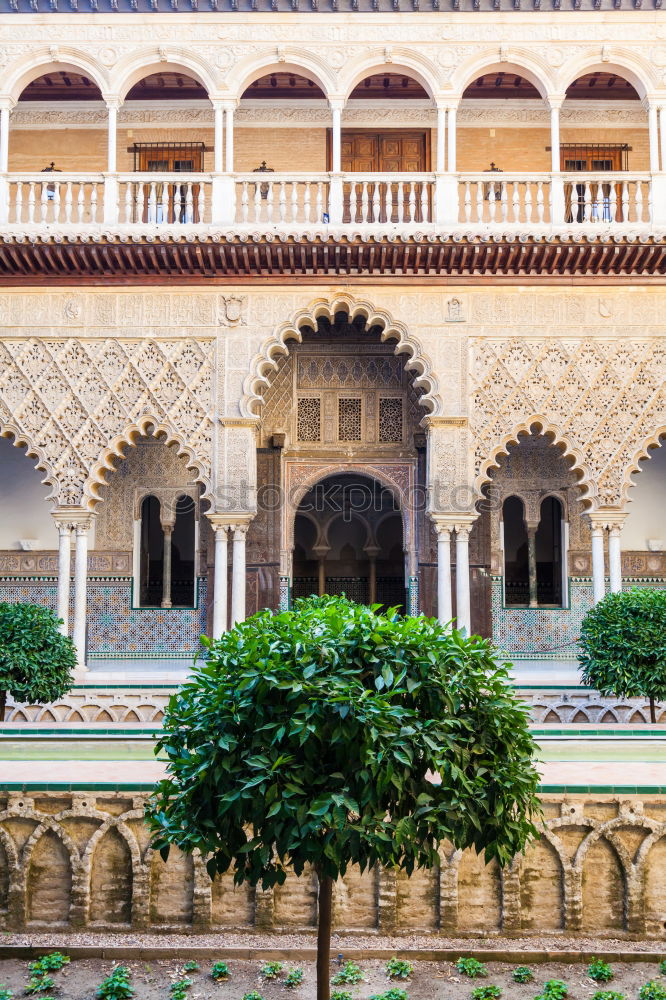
(297, 61)
(20, 439)
(136, 68)
(403, 60)
(525, 64)
(624, 64)
(648, 445)
(19, 75)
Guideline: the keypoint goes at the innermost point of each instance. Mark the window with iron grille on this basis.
(349, 419)
(390, 419)
(309, 419)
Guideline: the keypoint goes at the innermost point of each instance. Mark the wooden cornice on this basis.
(145, 262)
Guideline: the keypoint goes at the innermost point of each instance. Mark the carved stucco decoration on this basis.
(265, 362)
(77, 403)
(602, 402)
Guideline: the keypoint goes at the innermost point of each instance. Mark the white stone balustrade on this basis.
(340, 202)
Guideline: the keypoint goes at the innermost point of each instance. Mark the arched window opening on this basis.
(549, 554)
(516, 560)
(151, 572)
(183, 543)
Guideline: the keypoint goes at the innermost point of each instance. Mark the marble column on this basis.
(336, 138)
(229, 156)
(80, 591)
(4, 138)
(238, 574)
(531, 527)
(64, 572)
(218, 142)
(444, 593)
(451, 137)
(463, 607)
(440, 161)
(598, 583)
(615, 557)
(653, 131)
(166, 566)
(112, 130)
(220, 580)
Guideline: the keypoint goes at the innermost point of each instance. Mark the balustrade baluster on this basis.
(257, 201)
(515, 201)
(491, 202)
(44, 202)
(189, 204)
(152, 202)
(68, 202)
(504, 202)
(31, 202)
(93, 201)
(389, 202)
(353, 202)
(307, 204)
(468, 202)
(282, 202)
(400, 207)
(624, 196)
(201, 204)
(294, 200)
(245, 202)
(425, 205)
(19, 202)
(81, 203)
(587, 201)
(269, 203)
(364, 201)
(612, 204)
(319, 202)
(376, 202)
(411, 202)
(527, 204)
(128, 220)
(539, 201)
(140, 201)
(479, 201)
(167, 197)
(639, 201)
(56, 202)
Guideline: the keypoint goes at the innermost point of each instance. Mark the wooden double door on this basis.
(385, 152)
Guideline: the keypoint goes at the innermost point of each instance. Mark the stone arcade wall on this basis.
(83, 860)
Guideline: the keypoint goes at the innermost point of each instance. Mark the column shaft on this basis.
(532, 564)
(463, 609)
(112, 128)
(220, 584)
(654, 138)
(662, 135)
(218, 152)
(4, 140)
(598, 584)
(444, 594)
(229, 166)
(80, 593)
(451, 136)
(441, 140)
(555, 140)
(238, 576)
(372, 581)
(166, 567)
(321, 589)
(64, 571)
(615, 559)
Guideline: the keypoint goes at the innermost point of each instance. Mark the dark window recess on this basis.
(168, 157)
(595, 156)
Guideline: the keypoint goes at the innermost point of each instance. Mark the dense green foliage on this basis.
(554, 989)
(52, 962)
(608, 995)
(335, 995)
(294, 978)
(179, 989)
(652, 991)
(395, 993)
(116, 986)
(600, 971)
(271, 970)
(36, 660)
(522, 974)
(252, 995)
(398, 968)
(6, 993)
(317, 730)
(471, 967)
(623, 641)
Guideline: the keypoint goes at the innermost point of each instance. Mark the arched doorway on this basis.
(348, 539)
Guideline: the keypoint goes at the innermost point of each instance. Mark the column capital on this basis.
(610, 519)
(7, 103)
(337, 103)
(555, 102)
(113, 102)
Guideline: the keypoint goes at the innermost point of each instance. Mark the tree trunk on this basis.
(653, 714)
(324, 937)
(3, 702)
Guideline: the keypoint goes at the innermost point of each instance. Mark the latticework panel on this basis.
(309, 419)
(390, 419)
(349, 419)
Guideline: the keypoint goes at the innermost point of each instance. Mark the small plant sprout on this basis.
(6, 993)
(521, 974)
(179, 989)
(116, 986)
(220, 971)
(271, 970)
(489, 992)
(471, 968)
(349, 975)
(335, 995)
(294, 978)
(398, 968)
(40, 984)
(662, 967)
(252, 995)
(191, 966)
(600, 971)
(608, 995)
(50, 963)
(555, 989)
(652, 991)
(395, 993)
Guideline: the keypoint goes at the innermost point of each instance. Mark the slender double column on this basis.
(224, 528)
(239, 532)
(81, 528)
(603, 522)
(461, 526)
(167, 528)
(64, 526)
(220, 579)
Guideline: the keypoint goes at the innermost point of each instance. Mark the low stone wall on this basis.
(79, 860)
